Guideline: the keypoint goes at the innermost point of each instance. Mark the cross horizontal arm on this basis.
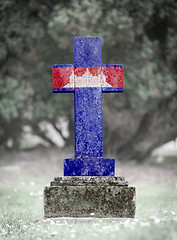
(67, 78)
(114, 77)
(62, 77)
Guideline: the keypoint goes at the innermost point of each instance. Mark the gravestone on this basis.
(89, 187)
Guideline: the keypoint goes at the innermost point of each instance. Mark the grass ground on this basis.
(21, 205)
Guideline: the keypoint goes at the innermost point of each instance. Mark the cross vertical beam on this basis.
(88, 102)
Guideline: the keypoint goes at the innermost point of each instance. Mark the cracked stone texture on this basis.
(89, 197)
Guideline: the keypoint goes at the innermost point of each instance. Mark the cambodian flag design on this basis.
(67, 78)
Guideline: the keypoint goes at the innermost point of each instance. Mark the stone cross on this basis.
(88, 78)
(88, 187)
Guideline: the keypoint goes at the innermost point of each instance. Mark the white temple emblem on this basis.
(87, 80)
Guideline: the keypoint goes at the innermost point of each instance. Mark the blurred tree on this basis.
(141, 35)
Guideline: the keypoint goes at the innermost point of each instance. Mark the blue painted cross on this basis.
(88, 78)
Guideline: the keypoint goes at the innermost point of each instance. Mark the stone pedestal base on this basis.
(106, 197)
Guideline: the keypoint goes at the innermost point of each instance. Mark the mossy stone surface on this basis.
(99, 197)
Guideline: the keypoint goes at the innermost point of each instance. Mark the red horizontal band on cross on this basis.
(87, 77)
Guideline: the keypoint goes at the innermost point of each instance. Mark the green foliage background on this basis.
(141, 35)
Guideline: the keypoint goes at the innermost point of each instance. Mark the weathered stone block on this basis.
(89, 197)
